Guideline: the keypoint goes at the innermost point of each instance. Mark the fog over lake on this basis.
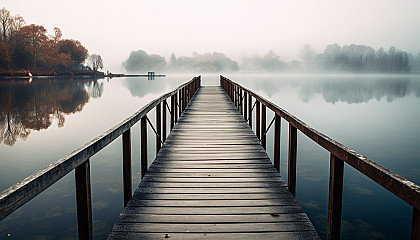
(373, 114)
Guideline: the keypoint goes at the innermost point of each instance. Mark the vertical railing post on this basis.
(143, 145)
(84, 201)
(241, 105)
(335, 197)
(172, 111)
(250, 111)
(175, 107)
(277, 131)
(245, 106)
(240, 99)
(257, 120)
(263, 127)
(164, 120)
(292, 159)
(234, 96)
(158, 127)
(179, 103)
(237, 97)
(187, 91)
(184, 98)
(233, 93)
(227, 87)
(127, 178)
(191, 89)
(415, 224)
(181, 100)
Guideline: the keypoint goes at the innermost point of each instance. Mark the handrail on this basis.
(22, 192)
(396, 184)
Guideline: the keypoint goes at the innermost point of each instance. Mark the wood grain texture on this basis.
(212, 179)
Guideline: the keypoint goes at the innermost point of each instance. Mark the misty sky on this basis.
(235, 27)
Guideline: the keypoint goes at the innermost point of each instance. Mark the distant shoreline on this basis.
(49, 74)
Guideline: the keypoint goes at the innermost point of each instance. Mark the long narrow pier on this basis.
(212, 179)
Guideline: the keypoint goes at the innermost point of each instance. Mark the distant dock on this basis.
(149, 75)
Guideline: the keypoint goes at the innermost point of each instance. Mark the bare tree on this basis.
(96, 61)
(57, 35)
(15, 24)
(5, 21)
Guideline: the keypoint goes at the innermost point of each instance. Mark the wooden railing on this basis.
(399, 186)
(22, 192)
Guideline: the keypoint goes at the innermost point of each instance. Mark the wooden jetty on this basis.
(212, 179)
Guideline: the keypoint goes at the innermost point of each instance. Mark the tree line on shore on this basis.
(28, 47)
(336, 58)
(209, 62)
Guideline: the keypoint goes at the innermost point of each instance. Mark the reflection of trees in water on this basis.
(358, 90)
(341, 88)
(25, 106)
(95, 89)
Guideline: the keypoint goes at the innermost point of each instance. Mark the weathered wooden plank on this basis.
(209, 171)
(168, 161)
(281, 209)
(168, 183)
(210, 236)
(248, 175)
(215, 228)
(207, 165)
(211, 203)
(230, 196)
(211, 184)
(209, 179)
(215, 219)
(211, 190)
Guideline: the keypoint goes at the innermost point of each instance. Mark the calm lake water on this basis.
(376, 115)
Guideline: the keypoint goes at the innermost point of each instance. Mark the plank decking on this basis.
(212, 180)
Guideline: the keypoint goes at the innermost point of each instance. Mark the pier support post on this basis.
(335, 197)
(164, 121)
(277, 132)
(291, 176)
(172, 112)
(263, 127)
(240, 101)
(245, 106)
(127, 178)
(175, 109)
(158, 128)
(415, 226)
(250, 111)
(143, 146)
(84, 201)
(258, 120)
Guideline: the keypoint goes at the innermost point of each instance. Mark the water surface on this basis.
(376, 115)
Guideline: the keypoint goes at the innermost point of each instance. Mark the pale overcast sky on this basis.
(235, 27)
